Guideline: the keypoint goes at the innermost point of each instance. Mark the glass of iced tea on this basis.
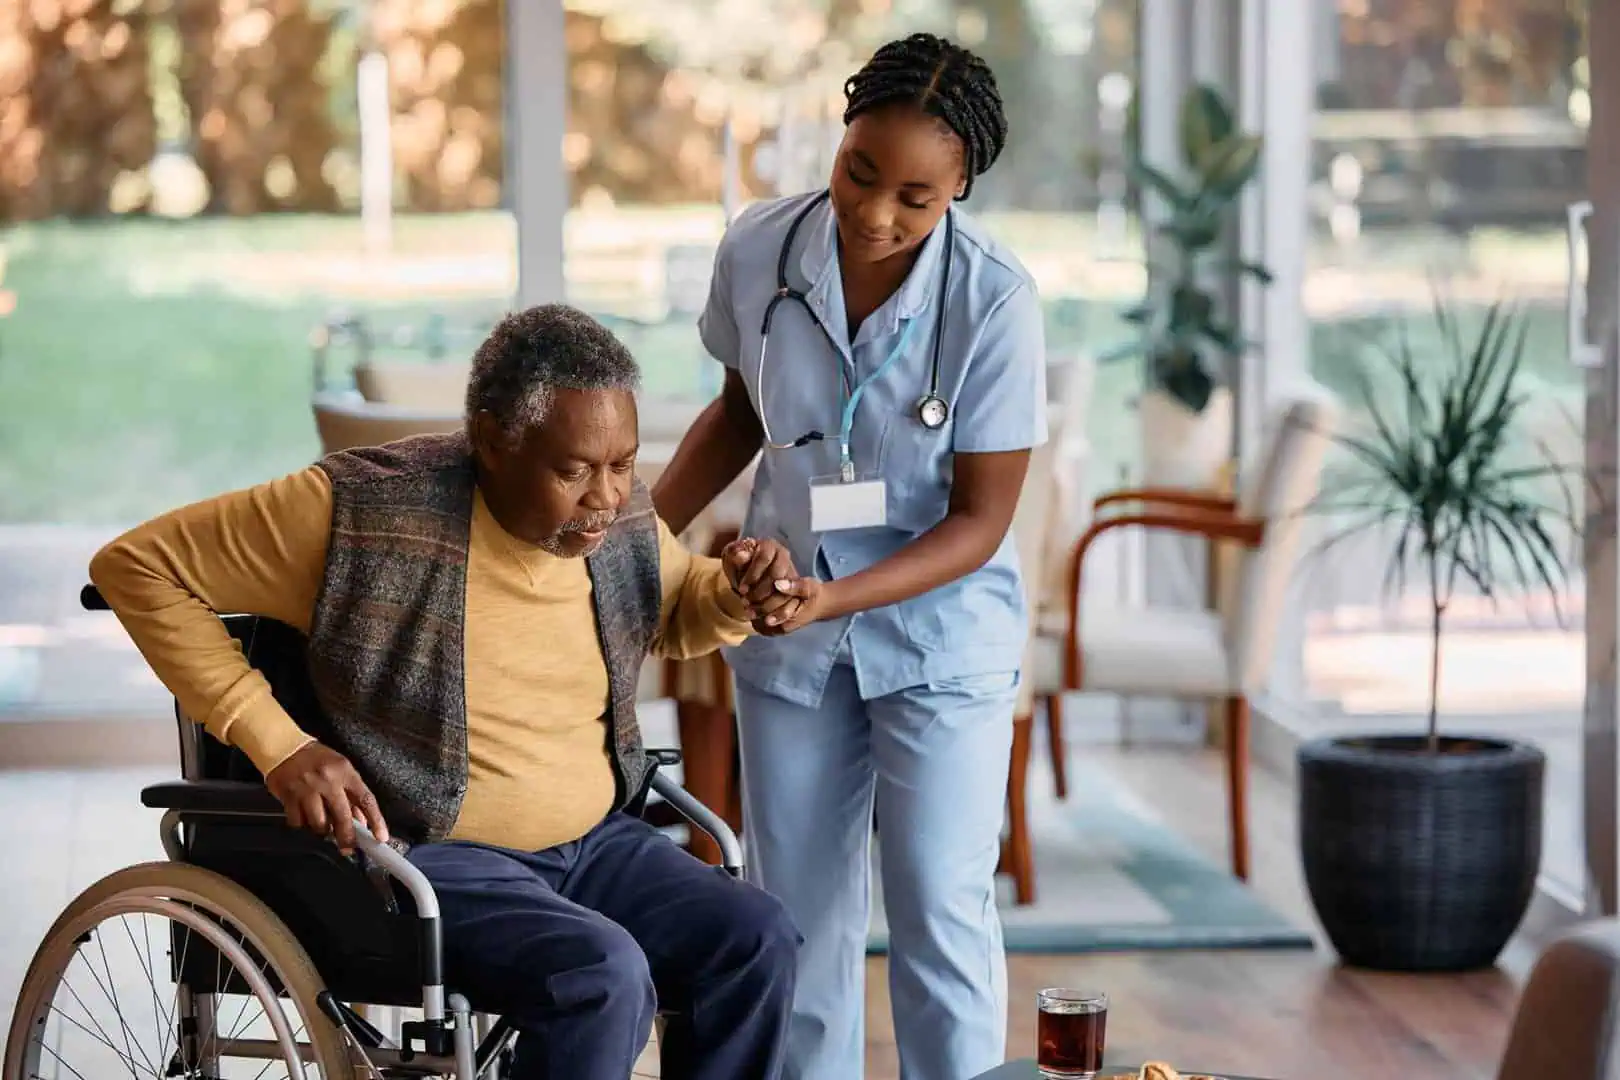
(1070, 1033)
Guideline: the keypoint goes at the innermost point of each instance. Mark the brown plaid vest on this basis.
(385, 645)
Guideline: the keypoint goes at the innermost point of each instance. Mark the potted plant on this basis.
(1421, 851)
(1185, 341)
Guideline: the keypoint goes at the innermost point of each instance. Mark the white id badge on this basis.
(835, 503)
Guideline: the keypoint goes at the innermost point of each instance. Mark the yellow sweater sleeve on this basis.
(700, 613)
(259, 551)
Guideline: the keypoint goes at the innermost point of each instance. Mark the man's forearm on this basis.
(708, 616)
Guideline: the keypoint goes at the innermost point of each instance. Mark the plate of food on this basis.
(1159, 1070)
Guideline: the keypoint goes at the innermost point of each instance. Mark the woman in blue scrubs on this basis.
(887, 356)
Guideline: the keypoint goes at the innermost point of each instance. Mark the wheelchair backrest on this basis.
(279, 653)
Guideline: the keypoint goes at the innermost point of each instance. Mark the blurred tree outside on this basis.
(260, 126)
(76, 121)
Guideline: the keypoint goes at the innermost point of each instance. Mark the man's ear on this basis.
(486, 437)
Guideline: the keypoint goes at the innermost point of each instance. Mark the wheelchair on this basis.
(262, 914)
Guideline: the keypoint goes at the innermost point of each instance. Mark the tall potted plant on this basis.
(1180, 330)
(1421, 851)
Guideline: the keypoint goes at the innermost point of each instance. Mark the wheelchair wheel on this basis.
(216, 988)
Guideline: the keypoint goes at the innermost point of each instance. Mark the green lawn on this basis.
(151, 363)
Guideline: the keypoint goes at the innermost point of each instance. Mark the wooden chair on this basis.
(706, 717)
(1066, 518)
(436, 386)
(344, 421)
(1029, 528)
(1222, 655)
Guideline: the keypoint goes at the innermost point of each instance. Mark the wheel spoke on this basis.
(127, 1059)
(111, 992)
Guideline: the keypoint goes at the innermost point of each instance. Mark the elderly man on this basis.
(478, 609)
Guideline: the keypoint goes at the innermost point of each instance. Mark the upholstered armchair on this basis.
(1222, 655)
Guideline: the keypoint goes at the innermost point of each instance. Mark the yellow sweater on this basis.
(536, 682)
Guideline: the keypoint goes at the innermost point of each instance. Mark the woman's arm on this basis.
(714, 452)
(1001, 416)
(984, 496)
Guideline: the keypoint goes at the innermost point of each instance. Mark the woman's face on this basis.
(896, 174)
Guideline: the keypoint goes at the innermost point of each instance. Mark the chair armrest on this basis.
(1189, 498)
(1210, 525)
(212, 797)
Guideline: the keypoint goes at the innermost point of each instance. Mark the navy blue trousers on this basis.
(580, 944)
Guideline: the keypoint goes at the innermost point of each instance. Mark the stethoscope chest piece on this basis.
(933, 411)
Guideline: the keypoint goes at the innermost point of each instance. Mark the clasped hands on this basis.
(779, 600)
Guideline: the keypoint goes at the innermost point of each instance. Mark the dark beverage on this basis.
(1070, 1034)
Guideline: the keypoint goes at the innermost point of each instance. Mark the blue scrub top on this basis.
(993, 373)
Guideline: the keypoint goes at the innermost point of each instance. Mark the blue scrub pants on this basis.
(935, 760)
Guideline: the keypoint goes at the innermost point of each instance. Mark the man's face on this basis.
(565, 482)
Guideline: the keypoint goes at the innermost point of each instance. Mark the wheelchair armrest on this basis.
(212, 797)
(701, 817)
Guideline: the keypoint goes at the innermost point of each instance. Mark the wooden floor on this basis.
(1288, 1015)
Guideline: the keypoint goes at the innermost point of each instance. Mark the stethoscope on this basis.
(932, 409)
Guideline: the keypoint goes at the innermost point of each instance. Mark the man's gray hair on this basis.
(532, 354)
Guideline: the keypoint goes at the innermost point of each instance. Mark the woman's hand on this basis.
(763, 575)
(804, 601)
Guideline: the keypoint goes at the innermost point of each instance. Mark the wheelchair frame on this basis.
(220, 790)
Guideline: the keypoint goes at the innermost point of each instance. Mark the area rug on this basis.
(1109, 877)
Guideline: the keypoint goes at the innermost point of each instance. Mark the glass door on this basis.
(1448, 145)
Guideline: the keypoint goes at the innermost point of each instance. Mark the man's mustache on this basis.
(594, 523)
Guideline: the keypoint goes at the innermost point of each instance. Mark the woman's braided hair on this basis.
(945, 81)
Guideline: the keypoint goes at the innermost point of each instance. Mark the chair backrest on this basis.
(344, 423)
(1029, 529)
(436, 386)
(1069, 490)
(1287, 474)
(1565, 1025)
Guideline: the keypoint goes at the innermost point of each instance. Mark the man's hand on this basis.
(321, 792)
(763, 574)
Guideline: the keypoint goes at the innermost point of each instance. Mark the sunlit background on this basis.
(194, 194)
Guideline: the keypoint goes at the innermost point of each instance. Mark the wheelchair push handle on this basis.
(416, 883)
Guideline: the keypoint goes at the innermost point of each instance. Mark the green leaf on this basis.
(1230, 165)
(1149, 177)
(1254, 270)
(1139, 315)
(1190, 310)
(1195, 230)
(1123, 351)
(1206, 122)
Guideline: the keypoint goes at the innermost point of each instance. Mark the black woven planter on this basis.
(1419, 861)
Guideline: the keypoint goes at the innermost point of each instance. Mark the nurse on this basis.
(888, 358)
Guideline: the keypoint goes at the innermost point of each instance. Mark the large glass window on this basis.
(181, 196)
(1449, 139)
(673, 126)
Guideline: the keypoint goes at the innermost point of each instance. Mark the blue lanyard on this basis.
(846, 467)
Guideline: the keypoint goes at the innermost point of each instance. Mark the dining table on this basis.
(1026, 1069)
